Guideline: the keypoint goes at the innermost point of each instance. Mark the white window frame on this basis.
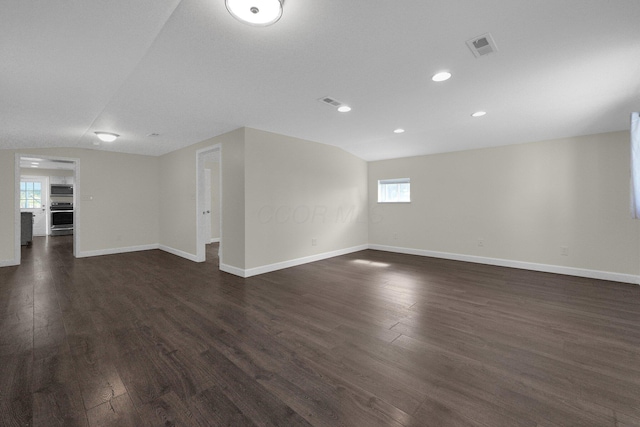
(383, 183)
(28, 180)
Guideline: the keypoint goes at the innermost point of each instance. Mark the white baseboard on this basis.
(290, 263)
(233, 270)
(178, 252)
(214, 240)
(299, 261)
(113, 251)
(9, 262)
(547, 268)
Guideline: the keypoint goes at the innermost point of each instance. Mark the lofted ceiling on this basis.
(186, 70)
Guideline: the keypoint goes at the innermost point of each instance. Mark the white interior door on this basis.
(33, 198)
(207, 205)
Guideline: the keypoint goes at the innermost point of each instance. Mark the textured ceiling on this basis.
(188, 71)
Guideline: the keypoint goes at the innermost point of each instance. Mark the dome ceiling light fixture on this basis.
(107, 136)
(441, 76)
(255, 12)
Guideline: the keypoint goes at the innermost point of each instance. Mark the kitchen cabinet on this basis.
(61, 180)
(26, 228)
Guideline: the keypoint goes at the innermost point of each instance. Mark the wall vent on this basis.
(482, 45)
(330, 101)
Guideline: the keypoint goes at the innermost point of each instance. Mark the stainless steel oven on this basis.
(61, 218)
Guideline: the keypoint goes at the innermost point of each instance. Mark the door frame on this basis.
(200, 241)
(76, 206)
(208, 203)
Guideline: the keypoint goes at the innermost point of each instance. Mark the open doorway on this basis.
(209, 200)
(46, 190)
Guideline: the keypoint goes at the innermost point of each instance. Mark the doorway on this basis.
(209, 200)
(34, 176)
(34, 199)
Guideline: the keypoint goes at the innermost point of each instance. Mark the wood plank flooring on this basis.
(367, 339)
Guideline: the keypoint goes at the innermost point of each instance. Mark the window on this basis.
(30, 195)
(394, 190)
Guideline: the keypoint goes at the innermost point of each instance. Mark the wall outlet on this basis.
(314, 242)
(480, 243)
(564, 250)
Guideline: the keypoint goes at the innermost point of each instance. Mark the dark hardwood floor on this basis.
(367, 339)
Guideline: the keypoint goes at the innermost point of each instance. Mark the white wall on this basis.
(7, 207)
(297, 191)
(123, 212)
(524, 201)
(178, 227)
(262, 171)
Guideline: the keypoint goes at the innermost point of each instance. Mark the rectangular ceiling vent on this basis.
(482, 45)
(330, 101)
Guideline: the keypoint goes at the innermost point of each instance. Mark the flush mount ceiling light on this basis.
(344, 109)
(107, 136)
(399, 130)
(441, 76)
(255, 12)
(479, 114)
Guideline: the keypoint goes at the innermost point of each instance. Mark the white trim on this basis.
(76, 205)
(113, 251)
(178, 252)
(77, 218)
(8, 263)
(200, 242)
(214, 240)
(547, 268)
(233, 270)
(16, 221)
(291, 263)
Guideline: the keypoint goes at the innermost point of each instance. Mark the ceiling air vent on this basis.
(482, 45)
(330, 101)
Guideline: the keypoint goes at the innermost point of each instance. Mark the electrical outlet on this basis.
(564, 250)
(480, 243)
(314, 242)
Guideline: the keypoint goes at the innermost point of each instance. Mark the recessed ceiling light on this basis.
(479, 114)
(255, 12)
(441, 76)
(344, 109)
(107, 136)
(399, 130)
